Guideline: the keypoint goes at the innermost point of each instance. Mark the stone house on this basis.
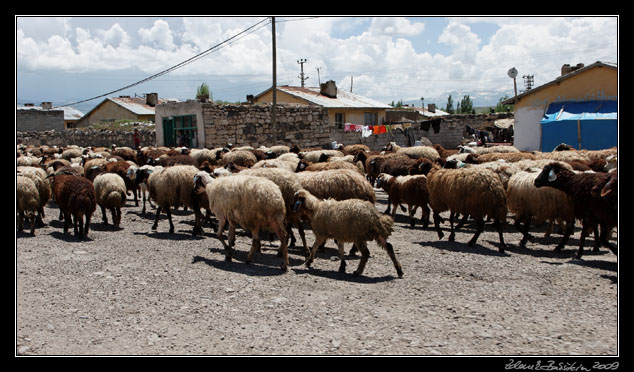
(122, 108)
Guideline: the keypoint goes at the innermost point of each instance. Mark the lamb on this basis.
(468, 191)
(372, 163)
(339, 184)
(592, 211)
(28, 201)
(415, 152)
(543, 204)
(288, 183)
(350, 220)
(304, 165)
(254, 203)
(410, 190)
(140, 175)
(510, 157)
(173, 187)
(240, 157)
(110, 190)
(75, 195)
(316, 155)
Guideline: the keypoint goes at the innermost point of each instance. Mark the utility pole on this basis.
(528, 81)
(273, 108)
(350, 83)
(301, 76)
(318, 79)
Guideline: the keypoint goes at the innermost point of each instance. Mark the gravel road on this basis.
(134, 291)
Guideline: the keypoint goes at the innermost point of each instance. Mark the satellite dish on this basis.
(512, 73)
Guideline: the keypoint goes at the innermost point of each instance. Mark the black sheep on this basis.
(591, 210)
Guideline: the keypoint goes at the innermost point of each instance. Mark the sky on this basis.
(69, 59)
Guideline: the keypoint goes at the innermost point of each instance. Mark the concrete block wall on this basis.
(39, 120)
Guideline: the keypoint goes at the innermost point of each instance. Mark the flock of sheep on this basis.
(280, 188)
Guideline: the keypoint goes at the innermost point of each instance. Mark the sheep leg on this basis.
(463, 221)
(221, 227)
(255, 245)
(33, 219)
(597, 242)
(390, 252)
(584, 232)
(570, 225)
(437, 225)
(389, 204)
(411, 211)
(452, 235)
(74, 219)
(281, 235)
(479, 230)
(498, 225)
(169, 218)
(20, 220)
(67, 221)
(318, 241)
(342, 265)
(526, 235)
(198, 222)
(424, 219)
(365, 254)
(104, 217)
(156, 219)
(87, 225)
(604, 239)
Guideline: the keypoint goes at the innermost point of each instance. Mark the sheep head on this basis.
(549, 175)
(304, 201)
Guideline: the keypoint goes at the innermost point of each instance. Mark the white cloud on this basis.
(393, 26)
(387, 56)
(159, 35)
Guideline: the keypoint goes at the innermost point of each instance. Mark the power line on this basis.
(177, 66)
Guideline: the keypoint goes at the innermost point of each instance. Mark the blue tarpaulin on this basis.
(590, 125)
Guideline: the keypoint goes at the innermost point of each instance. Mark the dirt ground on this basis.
(135, 291)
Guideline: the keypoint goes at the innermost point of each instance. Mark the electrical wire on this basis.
(179, 65)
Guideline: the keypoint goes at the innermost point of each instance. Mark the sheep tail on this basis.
(386, 226)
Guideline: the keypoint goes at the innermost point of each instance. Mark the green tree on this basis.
(466, 105)
(449, 108)
(503, 108)
(203, 90)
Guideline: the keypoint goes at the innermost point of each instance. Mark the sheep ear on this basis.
(552, 175)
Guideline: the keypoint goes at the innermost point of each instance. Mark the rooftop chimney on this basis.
(151, 99)
(566, 69)
(328, 89)
(47, 105)
(431, 107)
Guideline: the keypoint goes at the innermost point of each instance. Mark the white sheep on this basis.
(543, 204)
(255, 204)
(172, 187)
(110, 191)
(28, 201)
(415, 152)
(38, 175)
(349, 220)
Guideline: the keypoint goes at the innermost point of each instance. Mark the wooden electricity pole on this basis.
(273, 108)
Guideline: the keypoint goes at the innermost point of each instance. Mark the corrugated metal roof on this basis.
(344, 99)
(135, 105)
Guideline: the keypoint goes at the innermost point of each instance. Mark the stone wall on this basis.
(450, 134)
(242, 125)
(86, 137)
